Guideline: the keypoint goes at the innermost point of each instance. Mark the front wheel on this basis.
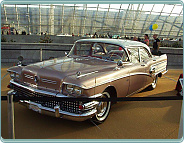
(103, 109)
(154, 83)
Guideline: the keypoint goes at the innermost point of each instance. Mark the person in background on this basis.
(95, 35)
(135, 38)
(156, 45)
(73, 35)
(16, 32)
(146, 39)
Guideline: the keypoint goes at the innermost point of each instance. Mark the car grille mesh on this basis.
(68, 106)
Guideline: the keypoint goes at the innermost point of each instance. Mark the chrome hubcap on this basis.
(102, 106)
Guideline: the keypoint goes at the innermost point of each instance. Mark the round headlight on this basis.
(69, 88)
(77, 90)
(17, 76)
(73, 89)
(12, 75)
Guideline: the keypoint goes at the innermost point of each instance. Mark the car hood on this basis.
(52, 73)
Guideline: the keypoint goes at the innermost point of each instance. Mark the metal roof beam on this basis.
(62, 20)
(96, 17)
(5, 14)
(147, 18)
(174, 23)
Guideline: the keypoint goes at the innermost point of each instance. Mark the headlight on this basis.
(17, 76)
(14, 75)
(69, 88)
(73, 89)
(77, 90)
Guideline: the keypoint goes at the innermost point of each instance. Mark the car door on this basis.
(137, 71)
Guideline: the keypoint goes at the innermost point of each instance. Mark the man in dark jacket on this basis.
(156, 45)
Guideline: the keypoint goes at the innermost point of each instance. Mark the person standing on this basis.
(156, 45)
(146, 39)
(135, 38)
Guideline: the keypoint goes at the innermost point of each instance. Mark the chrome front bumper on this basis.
(90, 108)
(56, 112)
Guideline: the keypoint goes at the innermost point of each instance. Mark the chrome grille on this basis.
(68, 106)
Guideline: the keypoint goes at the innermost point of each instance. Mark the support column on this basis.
(17, 16)
(40, 19)
(84, 21)
(11, 122)
(5, 14)
(28, 18)
(51, 19)
(96, 14)
(62, 20)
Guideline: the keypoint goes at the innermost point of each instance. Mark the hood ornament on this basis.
(36, 79)
(78, 73)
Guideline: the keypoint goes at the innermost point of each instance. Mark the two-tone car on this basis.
(94, 68)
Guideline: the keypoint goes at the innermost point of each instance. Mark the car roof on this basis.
(120, 42)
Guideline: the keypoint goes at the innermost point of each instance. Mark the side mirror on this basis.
(120, 63)
(20, 58)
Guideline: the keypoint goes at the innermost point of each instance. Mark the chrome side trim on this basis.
(114, 79)
(165, 61)
(96, 95)
(90, 105)
(37, 90)
(86, 74)
(139, 90)
(165, 72)
(107, 81)
(161, 71)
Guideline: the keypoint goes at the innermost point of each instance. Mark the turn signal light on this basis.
(81, 107)
(8, 86)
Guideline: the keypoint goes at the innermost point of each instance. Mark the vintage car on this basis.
(94, 68)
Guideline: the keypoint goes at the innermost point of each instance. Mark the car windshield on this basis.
(99, 50)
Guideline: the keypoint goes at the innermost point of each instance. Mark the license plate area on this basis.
(34, 108)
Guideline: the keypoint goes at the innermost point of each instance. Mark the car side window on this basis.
(133, 55)
(143, 54)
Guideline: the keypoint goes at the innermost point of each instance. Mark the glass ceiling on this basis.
(117, 19)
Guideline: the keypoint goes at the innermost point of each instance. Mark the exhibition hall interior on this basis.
(126, 60)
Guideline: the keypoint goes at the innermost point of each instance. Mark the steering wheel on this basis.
(114, 55)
